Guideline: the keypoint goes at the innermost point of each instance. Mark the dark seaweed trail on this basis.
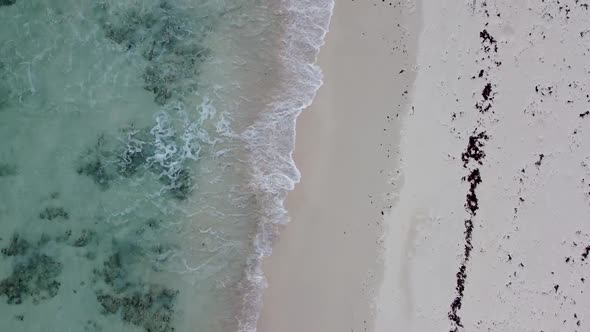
(472, 158)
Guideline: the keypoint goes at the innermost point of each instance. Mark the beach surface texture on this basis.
(445, 173)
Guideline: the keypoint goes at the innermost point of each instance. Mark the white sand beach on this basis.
(495, 162)
(324, 272)
(488, 228)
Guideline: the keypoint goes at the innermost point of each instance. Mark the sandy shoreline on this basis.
(486, 227)
(324, 267)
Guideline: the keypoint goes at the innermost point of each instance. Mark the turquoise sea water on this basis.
(145, 154)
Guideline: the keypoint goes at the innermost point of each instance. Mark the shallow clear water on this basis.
(145, 155)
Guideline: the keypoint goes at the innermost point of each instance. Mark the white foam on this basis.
(271, 139)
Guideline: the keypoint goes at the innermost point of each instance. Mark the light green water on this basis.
(128, 195)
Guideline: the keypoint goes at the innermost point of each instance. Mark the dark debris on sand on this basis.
(474, 150)
(472, 158)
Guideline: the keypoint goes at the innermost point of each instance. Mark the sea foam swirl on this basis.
(270, 140)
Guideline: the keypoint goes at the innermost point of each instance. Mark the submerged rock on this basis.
(114, 274)
(96, 170)
(6, 169)
(93, 164)
(134, 154)
(181, 184)
(165, 37)
(85, 238)
(52, 212)
(33, 276)
(151, 309)
(17, 246)
(7, 2)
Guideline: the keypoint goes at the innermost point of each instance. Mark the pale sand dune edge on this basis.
(492, 228)
(324, 272)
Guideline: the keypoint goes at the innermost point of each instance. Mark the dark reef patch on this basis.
(54, 212)
(152, 309)
(33, 276)
(17, 246)
(96, 170)
(114, 272)
(7, 169)
(85, 238)
(180, 184)
(95, 165)
(167, 39)
(128, 296)
(7, 2)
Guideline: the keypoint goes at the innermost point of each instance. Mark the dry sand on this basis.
(489, 225)
(492, 225)
(324, 272)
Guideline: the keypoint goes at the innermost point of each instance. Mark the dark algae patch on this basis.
(116, 159)
(17, 246)
(94, 164)
(7, 3)
(143, 304)
(34, 274)
(54, 212)
(152, 309)
(7, 169)
(180, 184)
(32, 277)
(160, 34)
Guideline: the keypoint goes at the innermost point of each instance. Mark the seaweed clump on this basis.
(152, 309)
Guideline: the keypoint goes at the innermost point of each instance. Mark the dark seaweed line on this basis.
(473, 155)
